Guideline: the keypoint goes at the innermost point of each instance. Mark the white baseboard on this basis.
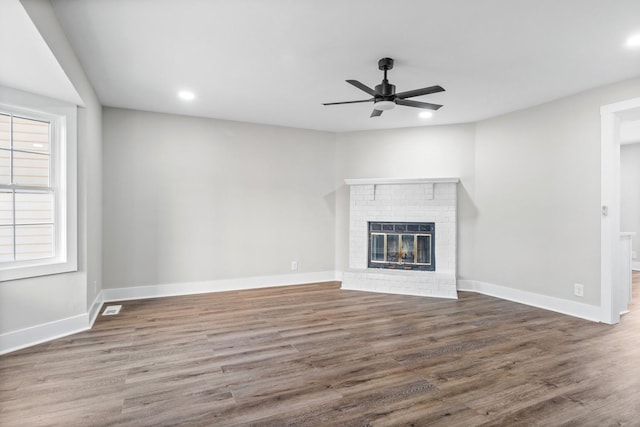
(95, 309)
(39, 334)
(338, 276)
(191, 288)
(635, 265)
(559, 305)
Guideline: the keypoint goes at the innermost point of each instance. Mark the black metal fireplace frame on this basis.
(402, 228)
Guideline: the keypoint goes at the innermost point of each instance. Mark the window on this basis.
(37, 226)
(26, 194)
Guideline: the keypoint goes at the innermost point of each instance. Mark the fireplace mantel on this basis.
(392, 181)
(400, 200)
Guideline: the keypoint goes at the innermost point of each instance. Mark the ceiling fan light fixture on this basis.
(384, 105)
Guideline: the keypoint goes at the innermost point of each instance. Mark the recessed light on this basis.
(37, 145)
(186, 95)
(425, 115)
(634, 41)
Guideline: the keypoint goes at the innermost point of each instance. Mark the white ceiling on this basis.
(277, 61)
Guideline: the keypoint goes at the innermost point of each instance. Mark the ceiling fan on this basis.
(385, 96)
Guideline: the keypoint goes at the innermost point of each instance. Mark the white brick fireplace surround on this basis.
(403, 200)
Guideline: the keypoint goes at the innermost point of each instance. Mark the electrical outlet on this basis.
(294, 265)
(634, 255)
(578, 290)
(95, 286)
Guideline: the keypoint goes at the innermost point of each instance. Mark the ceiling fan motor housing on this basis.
(386, 90)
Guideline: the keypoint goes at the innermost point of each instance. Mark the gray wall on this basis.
(538, 195)
(436, 151)
(529, 197)
(630, 192)
(37, 301)
(191, 199)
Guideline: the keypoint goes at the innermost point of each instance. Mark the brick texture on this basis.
(421, 202)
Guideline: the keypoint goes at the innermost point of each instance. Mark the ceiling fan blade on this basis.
(376, 113)
(363, 87)
(417, 104)
(418, 92)
(348, 102)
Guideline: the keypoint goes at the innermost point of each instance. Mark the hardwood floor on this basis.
(318, 355)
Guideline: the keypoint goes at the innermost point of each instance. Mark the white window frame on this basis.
(63, 173)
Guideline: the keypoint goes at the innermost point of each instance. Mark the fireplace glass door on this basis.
(405, 245)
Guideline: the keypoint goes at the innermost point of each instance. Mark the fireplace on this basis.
(402, 245)
(393, 244)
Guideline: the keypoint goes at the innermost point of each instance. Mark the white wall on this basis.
(31, 303)
(427, 152)
(89, 148)
(192, 199)
(630, 192)
(538, 195)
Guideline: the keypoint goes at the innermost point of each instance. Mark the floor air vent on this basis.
(111, 310)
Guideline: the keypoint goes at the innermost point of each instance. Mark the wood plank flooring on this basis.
(318, 355)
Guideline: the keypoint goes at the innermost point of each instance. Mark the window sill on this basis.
(37, 269)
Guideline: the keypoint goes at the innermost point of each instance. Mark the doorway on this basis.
(611, 283)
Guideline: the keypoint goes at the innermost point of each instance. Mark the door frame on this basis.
(610, 247)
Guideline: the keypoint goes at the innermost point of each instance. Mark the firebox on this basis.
(402, 245)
